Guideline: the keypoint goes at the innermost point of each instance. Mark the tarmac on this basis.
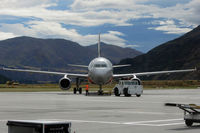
(102, 114)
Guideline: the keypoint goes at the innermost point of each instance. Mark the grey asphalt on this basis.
(102, 114)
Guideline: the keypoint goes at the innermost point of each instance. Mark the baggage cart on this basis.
(191, 112)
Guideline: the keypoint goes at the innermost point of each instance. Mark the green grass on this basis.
(165, 84)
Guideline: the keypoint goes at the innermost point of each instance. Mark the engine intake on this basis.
(65, 83)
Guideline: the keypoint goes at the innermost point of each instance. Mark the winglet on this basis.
(99, 49)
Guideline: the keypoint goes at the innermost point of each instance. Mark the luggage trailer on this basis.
(38, 126)
(191, 112)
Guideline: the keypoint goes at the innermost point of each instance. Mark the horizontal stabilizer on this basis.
(84, 66)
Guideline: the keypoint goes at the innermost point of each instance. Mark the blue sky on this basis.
(140, 24)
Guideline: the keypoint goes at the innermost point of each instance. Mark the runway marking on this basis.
(154, 123)
(141, 112)
(170, 124)
(149, 123)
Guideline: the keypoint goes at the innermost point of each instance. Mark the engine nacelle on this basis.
(65, 83)
(137, 79)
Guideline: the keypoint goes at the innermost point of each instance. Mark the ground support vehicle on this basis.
(38, 126)
(191, 112)
(128, 88)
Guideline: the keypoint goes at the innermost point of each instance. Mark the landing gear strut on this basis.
(77, 88)
(100, 91)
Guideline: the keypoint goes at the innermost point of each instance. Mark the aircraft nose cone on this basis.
(100, 74)
(102, 77)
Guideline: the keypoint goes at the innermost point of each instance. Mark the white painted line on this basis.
(150, 113)
(153, 121)
(101, 122)
(137, 123)
(170, 124)
(85, 121)
(152, 125)
(158, 125)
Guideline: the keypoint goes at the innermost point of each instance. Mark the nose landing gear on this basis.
(100, 91)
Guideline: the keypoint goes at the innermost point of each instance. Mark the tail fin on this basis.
(99, 49)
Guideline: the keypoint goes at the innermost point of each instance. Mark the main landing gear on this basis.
(78, 88)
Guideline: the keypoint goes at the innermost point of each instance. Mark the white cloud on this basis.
(23, 3)
(116, 33)
(132, 46)
(6, 35)
(56, 30)
(187, 13)
(105, 4)
(171, 29)
(94, 13)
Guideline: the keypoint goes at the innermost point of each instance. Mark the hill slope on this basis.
(181, 53)
(3, 79)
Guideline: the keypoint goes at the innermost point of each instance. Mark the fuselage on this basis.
(100, 71)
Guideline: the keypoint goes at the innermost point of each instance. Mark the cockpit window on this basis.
(100, 65)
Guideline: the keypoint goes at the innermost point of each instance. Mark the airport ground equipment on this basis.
(128, 88)
(191, 112)
(37, 126)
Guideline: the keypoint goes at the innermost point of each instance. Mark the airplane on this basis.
(100, 72)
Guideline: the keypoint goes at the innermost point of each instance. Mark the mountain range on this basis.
(180, 53)
(3, 79)
(53, 54)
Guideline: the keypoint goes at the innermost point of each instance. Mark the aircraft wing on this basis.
(47, 72)
(152, 73)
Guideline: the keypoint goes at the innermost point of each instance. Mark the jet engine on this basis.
(137, 79)
(65, 83)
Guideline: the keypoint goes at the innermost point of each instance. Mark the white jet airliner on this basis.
(100, 72)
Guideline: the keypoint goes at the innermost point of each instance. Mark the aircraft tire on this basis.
(188, 123)
(126, 92)
(138, 95)
(100, 92)
(80, 90)
(116, 91)
(75, 90)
